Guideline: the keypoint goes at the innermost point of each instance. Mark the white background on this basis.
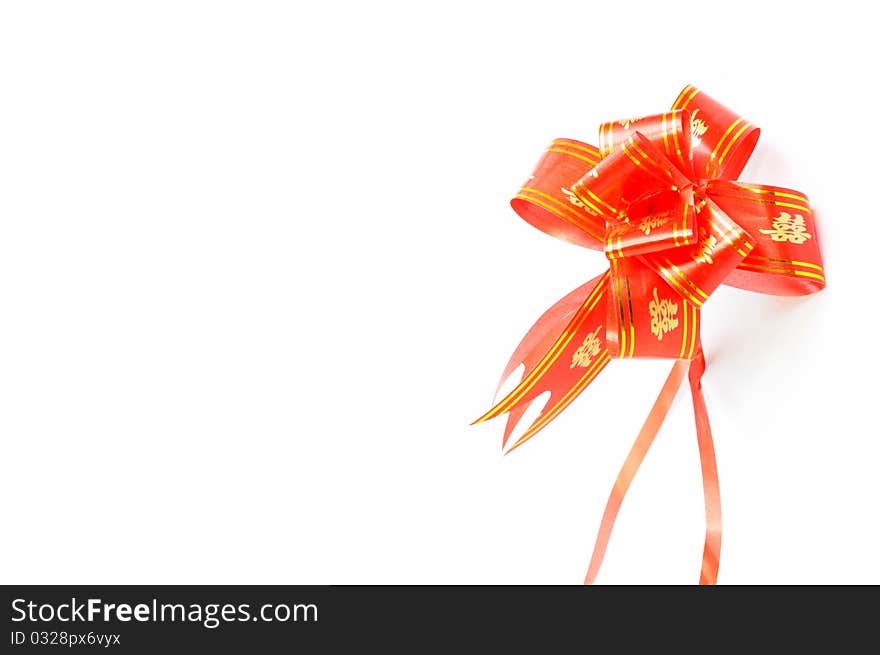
(258, 273)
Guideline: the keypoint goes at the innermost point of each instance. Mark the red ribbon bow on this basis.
(659, 197)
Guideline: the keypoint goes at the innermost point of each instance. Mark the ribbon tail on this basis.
(575, 356)
(636, 455)
(711, 489)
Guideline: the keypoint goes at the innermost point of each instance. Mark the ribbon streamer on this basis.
(660, 197)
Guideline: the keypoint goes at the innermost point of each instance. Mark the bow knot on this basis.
(659, 197)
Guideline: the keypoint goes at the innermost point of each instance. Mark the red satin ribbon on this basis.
(633, 461)
(659, 197)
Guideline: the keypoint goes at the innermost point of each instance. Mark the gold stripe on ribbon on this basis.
(681, 95)
(788, 271)
(622, 323)
(552, 354)
(687, 280)
(576, 189)
(684, 104)
(726, 236)
(665, 133)
(693, 331)
(567, 399)
(720, 142)
(678, 154)
(684, 329)
(592, 162)
(632, 157)
(556, 201)
(783, 194)
(579, 146)
(729, 146)
(650, 159)
(671, 278)
(614, 210)
(685, 238)
(632, 328)
(732, 230)
(763, 201)
(555, 211)
(788, 261)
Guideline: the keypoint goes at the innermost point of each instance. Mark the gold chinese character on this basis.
(703, 252)
(652, 222)
(788, 228)
(698, 128)
(663, 318)
(587, 350)
(572, 198)
(629, 121)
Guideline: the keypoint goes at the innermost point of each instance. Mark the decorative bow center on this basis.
(663, 236)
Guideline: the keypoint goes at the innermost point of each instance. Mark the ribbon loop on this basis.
(634, 171)
(547, 202)
(722, 140)
(786, 259)
(669, 131)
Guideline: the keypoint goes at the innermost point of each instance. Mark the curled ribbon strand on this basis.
(660, 198)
